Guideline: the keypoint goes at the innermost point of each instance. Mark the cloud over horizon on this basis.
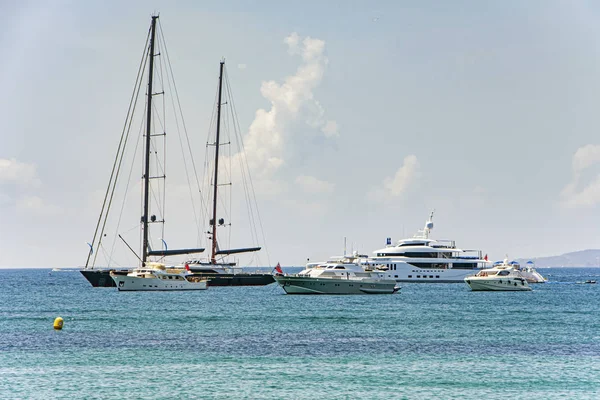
(576, 193)
(404, 177)
(310, 184)
(16, 172)
(294, 109)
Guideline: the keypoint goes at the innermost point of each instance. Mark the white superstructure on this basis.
(421, 259)
(155, 277)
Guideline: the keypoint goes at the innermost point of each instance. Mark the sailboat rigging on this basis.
(214, 249)
(220, 272)
(98, 277)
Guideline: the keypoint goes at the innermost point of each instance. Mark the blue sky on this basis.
(483, 111)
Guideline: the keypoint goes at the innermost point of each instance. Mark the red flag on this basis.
(187, 267)
(278, 269)
(485, 258)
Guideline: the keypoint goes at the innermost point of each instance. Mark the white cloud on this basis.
(310, 184)
(36, 205)
(292, 102)
(397, 185)
(306, 208)
(585, 157)
(586, 197)
(330, 129)
(573, 197)
(13, 171)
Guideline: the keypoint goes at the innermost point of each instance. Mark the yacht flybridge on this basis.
(422, 259)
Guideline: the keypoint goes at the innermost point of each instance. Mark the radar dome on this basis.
(429, 225)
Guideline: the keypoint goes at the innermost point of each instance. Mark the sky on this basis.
(358, 119)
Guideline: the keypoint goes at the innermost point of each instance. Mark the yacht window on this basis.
(503, 273)
(410, 276)
(418, 276)
(340, 267)
(437, 276)
(431, 276)
(395, 276)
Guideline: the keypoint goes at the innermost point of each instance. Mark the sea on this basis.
(428, 341)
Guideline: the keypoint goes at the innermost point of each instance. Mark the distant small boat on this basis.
(56, 270)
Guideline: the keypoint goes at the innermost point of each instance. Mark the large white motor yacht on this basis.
(501, 277)
(421, 259)
(340, 275)
(155, 277)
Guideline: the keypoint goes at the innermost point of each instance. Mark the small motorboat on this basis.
(155, 277)
(343, 275)
(507, 280)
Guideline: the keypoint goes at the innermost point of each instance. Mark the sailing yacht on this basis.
(148, 275)
(424, 260)
(218, 268)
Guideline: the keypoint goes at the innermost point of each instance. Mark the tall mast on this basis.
(148, 136)
(214, 218)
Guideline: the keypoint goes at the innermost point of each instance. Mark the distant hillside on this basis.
(582, 258)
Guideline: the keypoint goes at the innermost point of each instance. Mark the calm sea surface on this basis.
(428, 341)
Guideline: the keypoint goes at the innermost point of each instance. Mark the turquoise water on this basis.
(428, 341)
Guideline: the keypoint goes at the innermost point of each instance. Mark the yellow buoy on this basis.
(58, 323)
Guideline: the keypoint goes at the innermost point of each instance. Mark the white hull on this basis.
(405, 272)
(309, 285)
(510, 284)
(133, 283)
(533, 276)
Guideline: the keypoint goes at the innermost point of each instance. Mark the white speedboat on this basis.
(504, 277)
(155, 277)
(342, 275)
(530, 273)
(421, 259)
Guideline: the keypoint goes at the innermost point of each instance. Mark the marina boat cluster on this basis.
(419, 259)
